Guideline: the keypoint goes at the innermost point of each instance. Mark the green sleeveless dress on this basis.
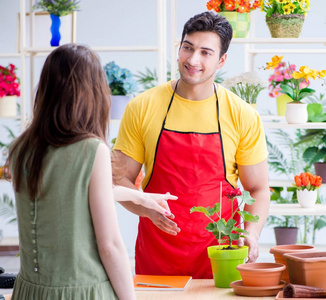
(58, 252)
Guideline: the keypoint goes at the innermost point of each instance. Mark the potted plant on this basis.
(307, 185)
(225, 257)
(56, 9)
(236, 12)
(295, 88)
(285, 227)
(122, 84)
(247, 86)
(9, 90)
(316, 154)
(285, 18)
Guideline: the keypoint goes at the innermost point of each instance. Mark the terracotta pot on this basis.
(278, 252)
(307, 268)
(286, 235)
(261, 274)
(320, 170)
(224, 264)
(307, 198)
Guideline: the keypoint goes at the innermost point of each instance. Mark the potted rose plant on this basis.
(247, 86)
(225, 257)
(285, 18)
(236, 12)
(307, 185)
(122, 84)
(296, 111)
(9, 90)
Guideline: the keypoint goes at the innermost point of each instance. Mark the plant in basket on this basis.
(226, 257)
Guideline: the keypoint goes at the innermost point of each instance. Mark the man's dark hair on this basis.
(210, 22)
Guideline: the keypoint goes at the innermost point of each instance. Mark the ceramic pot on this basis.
(296, 113)
(286, 235)
(307, 198)
(261, 274)
(285, 26)
(224, 264)
(320, 170)
(240, 22)
(55, 30)
(281, 104)
(307, 268)
(8, 106)
(278, 252)
(118, 106)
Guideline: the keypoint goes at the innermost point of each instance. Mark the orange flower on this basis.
(318, 181)
(304, 179)
(297, 180)
(229, 5)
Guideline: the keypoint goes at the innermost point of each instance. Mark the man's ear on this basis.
(222, 61)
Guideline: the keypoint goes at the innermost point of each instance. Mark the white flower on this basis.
(247, 86)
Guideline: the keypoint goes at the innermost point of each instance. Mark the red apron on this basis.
(191, 166)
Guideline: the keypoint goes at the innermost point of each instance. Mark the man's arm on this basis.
(131, 170)
(254, 179)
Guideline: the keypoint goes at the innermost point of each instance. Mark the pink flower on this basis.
(232, 193)
(9, 83)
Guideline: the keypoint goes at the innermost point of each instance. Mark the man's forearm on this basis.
(260, 208)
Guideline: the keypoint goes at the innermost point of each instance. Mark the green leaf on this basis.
(287, 90)
(247, 198)
(224, 227)
(248, 217)
(234, 236)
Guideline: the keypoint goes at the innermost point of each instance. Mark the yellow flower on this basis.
(274, 63)
(321, 73)
(287, 10)
(291, 6)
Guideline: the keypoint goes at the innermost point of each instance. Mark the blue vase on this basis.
(56, 22)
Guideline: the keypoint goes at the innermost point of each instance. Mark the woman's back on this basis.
(59, 255)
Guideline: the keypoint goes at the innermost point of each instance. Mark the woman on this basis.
(70, 244)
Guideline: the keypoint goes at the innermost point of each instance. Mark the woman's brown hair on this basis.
(72, 103)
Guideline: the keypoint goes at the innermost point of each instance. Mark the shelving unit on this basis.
(296, 210)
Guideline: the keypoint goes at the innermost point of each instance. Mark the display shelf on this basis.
(285, 183)
(296, 210)
(284, 125)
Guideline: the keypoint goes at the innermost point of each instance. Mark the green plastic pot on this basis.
(225, 262)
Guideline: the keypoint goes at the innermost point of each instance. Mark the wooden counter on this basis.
(199, 289)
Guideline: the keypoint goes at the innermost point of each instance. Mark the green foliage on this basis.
(227, 230)
(57, 7)
(315, 113)
(7, 209)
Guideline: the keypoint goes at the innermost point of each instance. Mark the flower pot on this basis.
(281, 104)
(286, 235)
(118, 106)
(278, 252)
(240, 22)
(55, 30)
(261, 274)
(296, 113)
(307, 268)
(8, 106)
(320, 170)
(307, 198)
(285, 26)
(224, 264)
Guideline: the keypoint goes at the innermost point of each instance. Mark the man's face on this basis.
(199, 57)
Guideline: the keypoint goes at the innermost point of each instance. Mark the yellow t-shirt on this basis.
(241, 127)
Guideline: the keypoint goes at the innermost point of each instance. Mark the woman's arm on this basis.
(112, 251)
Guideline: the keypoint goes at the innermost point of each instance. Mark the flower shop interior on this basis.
(147, 47)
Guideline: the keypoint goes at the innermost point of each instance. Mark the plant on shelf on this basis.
(7, 209)
(306, 185)
(240, 6)
(57, 7)
(225, 258)
(296, 88)
(285, 18)
(247, 86)
(120, 80)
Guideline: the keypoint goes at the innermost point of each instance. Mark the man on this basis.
(192, 135)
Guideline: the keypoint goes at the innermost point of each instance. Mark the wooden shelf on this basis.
(296, 210)
(284, 125)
